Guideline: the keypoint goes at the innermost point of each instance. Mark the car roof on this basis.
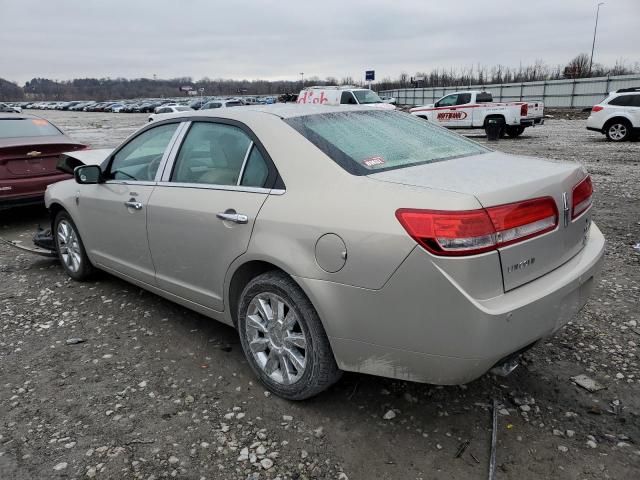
(282, 110)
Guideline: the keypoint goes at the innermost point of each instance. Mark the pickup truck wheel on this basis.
(283, 339)
(71, 252)
(514, 132)
(618, 130)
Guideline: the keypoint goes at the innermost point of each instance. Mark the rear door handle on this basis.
(133, 204)
(233, 217)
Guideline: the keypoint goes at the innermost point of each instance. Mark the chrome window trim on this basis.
(167, 165)
(244, 162)
(147, 183)
(208, 186)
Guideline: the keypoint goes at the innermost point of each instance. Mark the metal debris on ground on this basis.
(75, 341)
(587, 383)
(494, 441)
(463, 446)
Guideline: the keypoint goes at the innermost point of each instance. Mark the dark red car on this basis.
(29, 150)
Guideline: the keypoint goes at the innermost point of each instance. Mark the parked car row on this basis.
(148, 105)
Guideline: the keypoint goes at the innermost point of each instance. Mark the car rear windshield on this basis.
(26, 127)
(363, 142)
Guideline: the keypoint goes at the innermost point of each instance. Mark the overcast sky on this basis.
(278, 39)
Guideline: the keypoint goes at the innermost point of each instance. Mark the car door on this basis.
(113, 214)
(462, 113)
(202, 213)
(634, 110)
(442, 114)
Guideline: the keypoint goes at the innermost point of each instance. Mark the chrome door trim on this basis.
(244, 163)
(166, 165)
(206, 186)
(146, 183)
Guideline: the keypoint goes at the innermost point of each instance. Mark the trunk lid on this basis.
(33, 159)
(496, 179)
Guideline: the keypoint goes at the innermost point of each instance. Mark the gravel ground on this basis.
(153, 390)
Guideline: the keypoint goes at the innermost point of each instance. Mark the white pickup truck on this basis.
(473, 109)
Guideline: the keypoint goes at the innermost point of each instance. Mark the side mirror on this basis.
(88, 174)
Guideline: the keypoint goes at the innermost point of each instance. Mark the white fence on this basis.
(578, 93)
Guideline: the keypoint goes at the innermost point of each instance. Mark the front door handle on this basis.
(233, 217)
(133, 204)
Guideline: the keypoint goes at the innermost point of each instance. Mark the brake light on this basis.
(524, 110)
(596, 108)
(581, 197)
(470, 232)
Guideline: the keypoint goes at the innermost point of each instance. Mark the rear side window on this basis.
(26, 127)
(256, 171)
(364, 142)
(484, 97)
(212, 153)
(623, 101)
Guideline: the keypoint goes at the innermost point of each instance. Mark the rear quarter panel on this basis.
(320, 198)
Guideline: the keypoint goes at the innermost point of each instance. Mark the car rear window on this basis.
(363, 142)
(26, 127)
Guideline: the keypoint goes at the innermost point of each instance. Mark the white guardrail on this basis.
(571, 93)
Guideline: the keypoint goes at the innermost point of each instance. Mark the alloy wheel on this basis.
(618, 131)
(69, 246)
(276, 340)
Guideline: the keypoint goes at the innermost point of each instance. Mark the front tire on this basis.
(71, 252)
(283, 339)
(618, 131)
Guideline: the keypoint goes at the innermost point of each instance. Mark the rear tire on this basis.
(71, 252)
(283, 339)
(618, 130)
(514, 131)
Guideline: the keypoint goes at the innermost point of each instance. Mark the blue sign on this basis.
(370, 75)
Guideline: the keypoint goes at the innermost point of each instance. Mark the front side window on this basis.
(140, 158)
(212, 153)
(367, 96)
(363, 142)
(448, 101)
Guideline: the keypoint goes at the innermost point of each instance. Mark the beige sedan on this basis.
(338, 238)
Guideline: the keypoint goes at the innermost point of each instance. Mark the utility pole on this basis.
(593, 45)
(302, 80)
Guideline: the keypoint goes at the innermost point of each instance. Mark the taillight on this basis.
(596, 108)
(524, 110)
(470, 232)
(581, 197)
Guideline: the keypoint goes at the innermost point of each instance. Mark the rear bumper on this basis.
(530, 122)
(27, 191)
(422, 326)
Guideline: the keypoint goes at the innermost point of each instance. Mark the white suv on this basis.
(618, 115)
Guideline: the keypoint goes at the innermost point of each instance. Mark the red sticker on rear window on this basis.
(373, 161)
(39, 122)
